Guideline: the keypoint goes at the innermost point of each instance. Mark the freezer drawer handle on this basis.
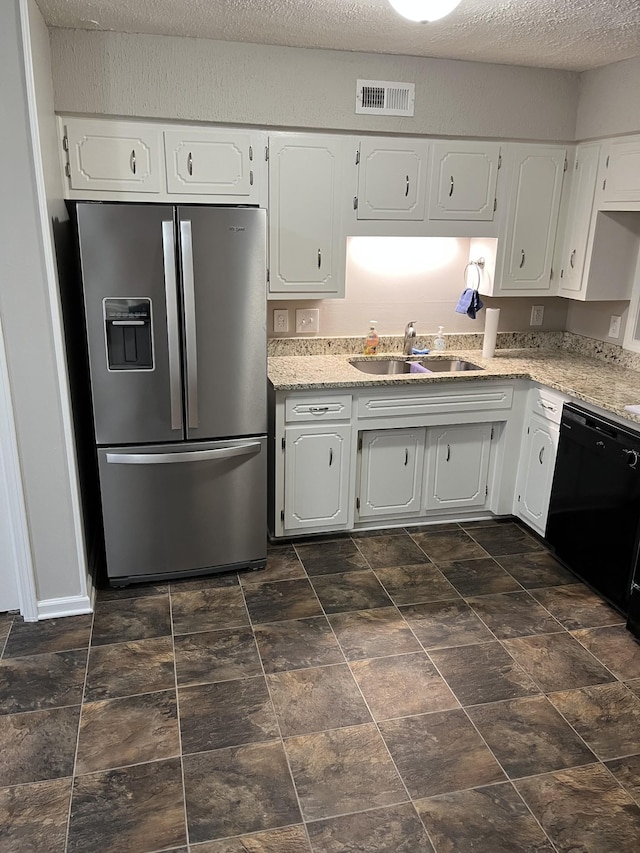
(173, 341)
(192, 456)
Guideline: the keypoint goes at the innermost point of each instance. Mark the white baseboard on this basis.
(74, 605)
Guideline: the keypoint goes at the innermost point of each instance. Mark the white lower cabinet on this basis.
(457, 466)
(538, 461)
(316, 473)
(538, 457)
(391, 468)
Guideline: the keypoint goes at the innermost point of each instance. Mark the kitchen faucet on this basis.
(409, 337)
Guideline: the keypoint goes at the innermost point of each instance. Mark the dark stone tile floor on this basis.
(440, 689)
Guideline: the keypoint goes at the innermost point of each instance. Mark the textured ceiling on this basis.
(570, 34)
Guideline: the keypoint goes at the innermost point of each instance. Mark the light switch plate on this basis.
(308, 320)
(614, 326)
(537, 315)
(280, 320)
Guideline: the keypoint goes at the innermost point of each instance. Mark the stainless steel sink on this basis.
(391, 367)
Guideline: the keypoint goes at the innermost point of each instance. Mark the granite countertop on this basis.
(590, 380)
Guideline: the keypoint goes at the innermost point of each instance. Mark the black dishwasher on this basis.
(594, 513)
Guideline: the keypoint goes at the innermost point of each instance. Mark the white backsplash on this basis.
(394, 280)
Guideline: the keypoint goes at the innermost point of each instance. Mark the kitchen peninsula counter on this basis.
(583, 378)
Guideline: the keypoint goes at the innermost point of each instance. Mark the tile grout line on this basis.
(178, 721)
(275, 715)
(75, 756)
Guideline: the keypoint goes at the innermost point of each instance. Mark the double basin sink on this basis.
(402, 364)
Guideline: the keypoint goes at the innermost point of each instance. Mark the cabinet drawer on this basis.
(459, 399)
(336, 407)
(547, 404)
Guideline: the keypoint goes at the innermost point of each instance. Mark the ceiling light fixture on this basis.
(424, 11)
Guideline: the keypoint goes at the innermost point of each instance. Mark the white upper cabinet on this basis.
(113, 156)
(622, 176)
(463, 180)
(392, 178)
(525, 251)
(579, 217)
(307, 245)
(211, 162)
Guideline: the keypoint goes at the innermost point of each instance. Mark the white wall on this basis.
(202, 80)
(32, 333)
(591, 319)
(609, 103)
(394, 280)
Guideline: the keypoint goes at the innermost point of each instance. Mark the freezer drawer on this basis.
(174, 510)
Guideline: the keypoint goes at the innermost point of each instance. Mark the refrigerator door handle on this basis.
(191, 456)
(173, 332)
(186, 244)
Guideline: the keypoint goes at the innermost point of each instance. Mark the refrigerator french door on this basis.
(175, 309)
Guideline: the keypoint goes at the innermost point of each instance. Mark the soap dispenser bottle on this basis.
(439, 343)
(372, 340)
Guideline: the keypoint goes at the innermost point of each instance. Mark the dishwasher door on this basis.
(594, 513)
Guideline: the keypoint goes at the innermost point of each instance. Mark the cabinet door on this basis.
(391, 472)
(623, 171)
(306, 245)
(118, 156)
(532, 218)
(392, 179)
(463, 180)
(579, 217)
(316, 470)
(457, 466)
(536, 471)
(211, 162)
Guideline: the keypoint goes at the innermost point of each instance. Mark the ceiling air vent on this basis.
(381, 98)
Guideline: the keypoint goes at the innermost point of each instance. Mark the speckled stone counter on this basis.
(584, 378)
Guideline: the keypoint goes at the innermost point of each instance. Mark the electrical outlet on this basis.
(308, 320)
(537, 314)
(281, 320)
(614, 326)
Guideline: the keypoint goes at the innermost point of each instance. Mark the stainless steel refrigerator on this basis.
(175, 310)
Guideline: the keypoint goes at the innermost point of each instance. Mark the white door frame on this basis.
(16, 558)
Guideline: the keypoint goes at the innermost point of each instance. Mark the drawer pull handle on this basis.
(522, 258)
(540, 455)
(451, 186)
(406, 189)
(406, 456)
(330, 456)
(190, 164)
(132, 160)
(318, 410)
(572, 259)
(547, 406)
(319, 258)
(448, 452)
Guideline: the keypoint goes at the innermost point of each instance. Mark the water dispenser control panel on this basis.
(128, 333)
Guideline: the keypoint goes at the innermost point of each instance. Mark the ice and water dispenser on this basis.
(128, 332)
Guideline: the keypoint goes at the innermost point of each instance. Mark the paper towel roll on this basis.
(491, 320)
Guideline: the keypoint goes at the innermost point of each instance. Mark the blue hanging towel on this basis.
(469, 303)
